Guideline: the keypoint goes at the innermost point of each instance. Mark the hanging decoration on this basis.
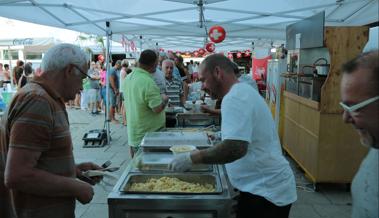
(239, 54)
(196, 53)
(201, 51)
(247, 53)
(217, 34)
(210, 47)
(100, 58)
(230, 55)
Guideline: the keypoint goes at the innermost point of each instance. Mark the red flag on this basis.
(260, 68)
(133, 46)
(123, 42)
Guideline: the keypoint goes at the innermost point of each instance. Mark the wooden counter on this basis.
(326, 148)
(314, 134)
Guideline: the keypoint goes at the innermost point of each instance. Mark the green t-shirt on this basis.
(86, 84)
(141, 95)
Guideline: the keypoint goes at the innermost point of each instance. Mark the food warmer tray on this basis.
(192, 178)
(164, 140)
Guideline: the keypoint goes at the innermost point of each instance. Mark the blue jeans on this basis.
(103, 94)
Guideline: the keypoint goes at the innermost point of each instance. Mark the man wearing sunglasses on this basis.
(360, 101)
(38, 176)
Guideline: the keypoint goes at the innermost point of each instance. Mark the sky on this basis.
(18, 29)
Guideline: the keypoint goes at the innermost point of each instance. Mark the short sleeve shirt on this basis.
(160, 80)
(141, 96)
(116, 74)
(364, 189)
(263, 170)
(37, 120)
(174, 90)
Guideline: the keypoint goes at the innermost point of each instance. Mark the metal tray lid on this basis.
(159, 161)
(168, 139)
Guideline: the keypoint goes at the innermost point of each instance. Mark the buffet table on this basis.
(151, 162)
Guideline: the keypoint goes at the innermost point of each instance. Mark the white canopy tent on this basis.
(175, 24)
(182, 24)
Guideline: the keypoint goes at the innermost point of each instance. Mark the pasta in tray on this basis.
(168, 184)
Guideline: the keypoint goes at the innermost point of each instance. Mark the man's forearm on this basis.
(225, 152)
(39, 182)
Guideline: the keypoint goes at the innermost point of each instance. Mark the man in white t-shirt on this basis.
(360, 100)
(250, 147)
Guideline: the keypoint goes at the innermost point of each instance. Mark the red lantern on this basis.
(201, 51)
(217, 34)
(210, 47)
(196, 53)
(247, 53)
(239, 54)
(100, 58)
(230, 55)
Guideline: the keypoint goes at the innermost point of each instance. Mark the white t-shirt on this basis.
(160, 80)
(190, 68)
(364, 188)
(121, 78)
(245, 78)
(263, 170)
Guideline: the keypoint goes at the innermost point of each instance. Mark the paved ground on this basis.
(332, 201)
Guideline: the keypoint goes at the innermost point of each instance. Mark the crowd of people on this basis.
(19, 76)
(39, 177)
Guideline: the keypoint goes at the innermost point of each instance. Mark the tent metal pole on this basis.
(107, 126)
(10, 65)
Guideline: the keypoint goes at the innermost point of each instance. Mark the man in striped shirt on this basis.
(174, 87)
(38, 176)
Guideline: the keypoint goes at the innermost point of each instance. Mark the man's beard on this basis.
(367, 139)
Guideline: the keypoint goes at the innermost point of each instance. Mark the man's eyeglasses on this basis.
(360, 105)
(80, 70)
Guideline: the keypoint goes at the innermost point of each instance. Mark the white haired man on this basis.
(39, 178)
(174, 86)
(360, 101)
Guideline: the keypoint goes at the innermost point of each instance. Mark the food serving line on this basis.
(148, 189)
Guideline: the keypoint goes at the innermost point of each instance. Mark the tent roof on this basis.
(174, 24)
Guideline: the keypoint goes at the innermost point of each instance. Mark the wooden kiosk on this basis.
(314, 134)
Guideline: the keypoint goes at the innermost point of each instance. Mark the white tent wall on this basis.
(174, 24)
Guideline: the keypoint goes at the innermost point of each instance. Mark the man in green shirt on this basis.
(144, 103)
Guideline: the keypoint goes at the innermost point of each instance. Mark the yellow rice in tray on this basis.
(168, 184)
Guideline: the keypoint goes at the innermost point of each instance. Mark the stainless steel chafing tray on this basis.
(159, 161)
(197, 119)
(183, 205)
(192, 178)
(164, 140)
